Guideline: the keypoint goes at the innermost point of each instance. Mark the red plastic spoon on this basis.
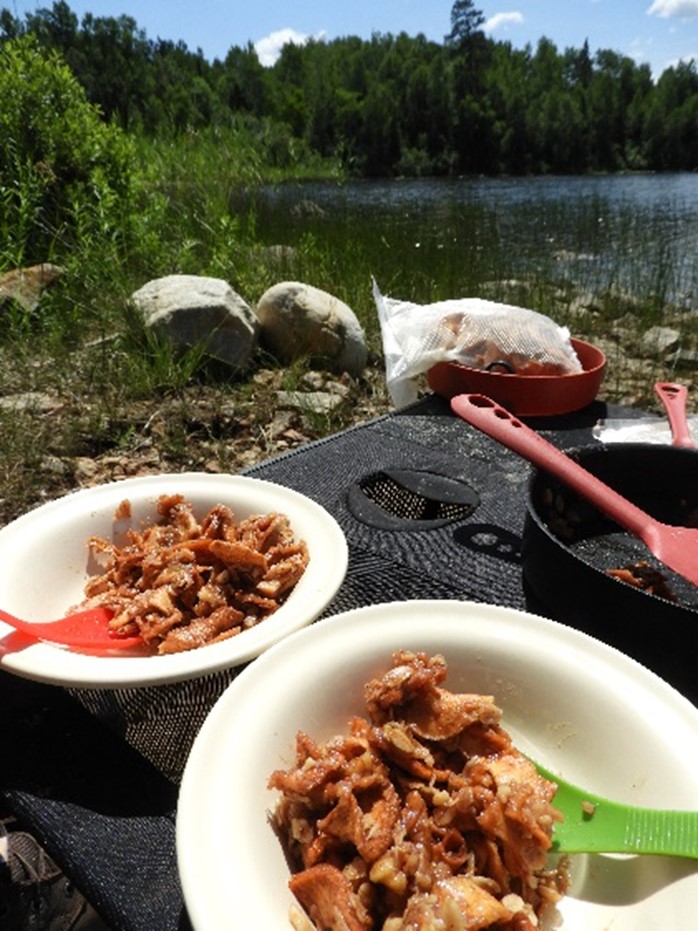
(673, 397)
(82, 629)
(676, 547)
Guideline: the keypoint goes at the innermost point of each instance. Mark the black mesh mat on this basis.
(430, 509)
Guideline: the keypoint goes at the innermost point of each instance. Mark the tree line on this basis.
(393, 104)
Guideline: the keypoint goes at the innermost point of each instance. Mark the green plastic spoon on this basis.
(597, 825)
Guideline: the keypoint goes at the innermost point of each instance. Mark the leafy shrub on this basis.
(65, 175)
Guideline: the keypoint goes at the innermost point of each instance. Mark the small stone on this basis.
(54, 465)
(34, 401)
(316, 402)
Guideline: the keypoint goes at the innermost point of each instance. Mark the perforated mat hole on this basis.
(404, 497)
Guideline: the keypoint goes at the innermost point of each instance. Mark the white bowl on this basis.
(44, 560)
(577, 705)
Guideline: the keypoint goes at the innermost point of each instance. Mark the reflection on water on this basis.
(637, 233)
(429, 195)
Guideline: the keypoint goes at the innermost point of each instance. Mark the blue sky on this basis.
(655, 32)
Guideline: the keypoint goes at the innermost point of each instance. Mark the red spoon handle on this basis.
(495, 421)
(88, 629)
(673, 397)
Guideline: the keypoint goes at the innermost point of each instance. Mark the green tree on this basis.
(242, 82)
(290, 93)
(117, 55)
(469, 51)
(379, 138)
(508, 79)
(10, 26)
(64, 173)
(391, 104)
(466, 21)
(670, 126)
(56, 27)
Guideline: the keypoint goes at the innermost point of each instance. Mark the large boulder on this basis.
(300, 321)
(192, 310)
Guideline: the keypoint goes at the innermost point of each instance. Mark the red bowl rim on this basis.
(577, 345)
(527, 395)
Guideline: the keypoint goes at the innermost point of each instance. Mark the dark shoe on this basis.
(34, 894)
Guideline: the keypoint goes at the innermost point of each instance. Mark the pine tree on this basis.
(465, 22)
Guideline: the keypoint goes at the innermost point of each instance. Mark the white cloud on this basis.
(502, 19)
(685, 9)
(269, 48)
(685, 59)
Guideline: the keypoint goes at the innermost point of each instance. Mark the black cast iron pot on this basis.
(568, 546)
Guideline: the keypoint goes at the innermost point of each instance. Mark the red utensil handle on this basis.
(673, 397)
(83, 629)
(485, 414)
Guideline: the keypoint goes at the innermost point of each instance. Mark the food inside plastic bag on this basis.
(475, 332)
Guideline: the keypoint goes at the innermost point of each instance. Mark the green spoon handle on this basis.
(666, 832)
(616, 828)
(597, 825)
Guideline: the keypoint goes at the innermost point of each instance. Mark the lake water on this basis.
(437, 238)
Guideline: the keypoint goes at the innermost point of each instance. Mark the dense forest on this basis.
(394, 104)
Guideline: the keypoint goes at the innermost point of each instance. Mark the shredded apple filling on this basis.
(181, 583)
(424, 817)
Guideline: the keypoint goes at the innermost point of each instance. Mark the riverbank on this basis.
(57, 442)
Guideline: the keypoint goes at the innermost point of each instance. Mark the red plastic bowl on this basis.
(526, 395)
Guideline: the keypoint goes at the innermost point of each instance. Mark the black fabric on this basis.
(103, 798)
(103, 813)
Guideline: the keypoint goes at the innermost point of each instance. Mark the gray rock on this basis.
(307, 208)
(660, 340)
(315, 402)
(54, 465)
(298, 320)
(31, 401)
(26, 285)
(192, 310)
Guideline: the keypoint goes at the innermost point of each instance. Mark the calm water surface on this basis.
(638, 233)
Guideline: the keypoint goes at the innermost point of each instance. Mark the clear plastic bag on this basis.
(475, 332)
(642, 430)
